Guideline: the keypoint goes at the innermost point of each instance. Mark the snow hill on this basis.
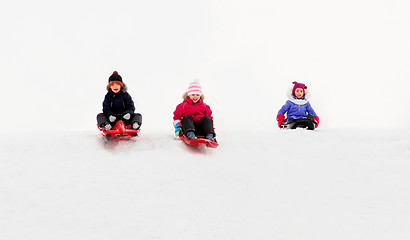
(59, 181)
(323, 184)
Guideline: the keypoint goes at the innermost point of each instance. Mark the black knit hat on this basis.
(115, 78)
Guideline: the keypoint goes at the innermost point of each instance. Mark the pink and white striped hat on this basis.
(194, 88)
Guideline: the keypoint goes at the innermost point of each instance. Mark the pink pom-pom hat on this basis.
(194, 88)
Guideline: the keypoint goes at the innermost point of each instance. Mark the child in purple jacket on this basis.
(297, 106)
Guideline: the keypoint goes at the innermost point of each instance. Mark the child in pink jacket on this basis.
(193, 115)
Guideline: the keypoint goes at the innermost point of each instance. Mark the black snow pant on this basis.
(204, 126)
(102, 120)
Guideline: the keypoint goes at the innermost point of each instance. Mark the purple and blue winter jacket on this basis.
(297, 108)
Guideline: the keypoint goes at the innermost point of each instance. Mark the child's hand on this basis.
(136, 125)
(316, 117)
(127, 116)
(280, 119)
(107, 127)
(112, 118)
(177, 126)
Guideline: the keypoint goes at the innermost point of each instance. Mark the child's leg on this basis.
(207, 125)
(102, 119)
(188, 124)
(135, 117)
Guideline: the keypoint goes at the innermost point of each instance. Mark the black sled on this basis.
(308, 123)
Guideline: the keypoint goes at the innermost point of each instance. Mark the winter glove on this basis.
(177, 126)
(316, 117)
(135, 125)
(127, 116)
(112, 118)
(107, 127)
(280, 118)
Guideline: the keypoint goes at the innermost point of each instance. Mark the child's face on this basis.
(115, 88)
(299, 92)
(195, 97)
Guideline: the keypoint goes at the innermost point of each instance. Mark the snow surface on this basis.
(284, 184)
(347, 180)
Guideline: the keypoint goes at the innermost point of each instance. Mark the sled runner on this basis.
(199, 140)
(307, 123)
(119, 130)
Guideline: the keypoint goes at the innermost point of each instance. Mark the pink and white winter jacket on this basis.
(196, 110)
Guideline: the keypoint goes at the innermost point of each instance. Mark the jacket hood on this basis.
(185, 96)
(189, 101)
(303, 100)
(123, 89)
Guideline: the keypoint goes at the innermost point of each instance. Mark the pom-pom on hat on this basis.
(298, 85)
(194, 88)
(115, 78)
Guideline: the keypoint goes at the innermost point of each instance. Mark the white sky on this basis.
(354, 56)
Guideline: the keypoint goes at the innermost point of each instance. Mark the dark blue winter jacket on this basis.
(297, 108)
(118, 103)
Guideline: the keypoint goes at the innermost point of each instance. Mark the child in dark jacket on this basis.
(297, 106)
(193, 115)
(118, 105)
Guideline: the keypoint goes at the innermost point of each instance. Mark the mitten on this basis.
(316, 117)
(107, 127)
(112, 118)
(280, 119)
(135, 125)
(177, 126)
(127, 116)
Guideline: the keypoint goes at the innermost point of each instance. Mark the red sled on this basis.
(197, 141)
(119, 129)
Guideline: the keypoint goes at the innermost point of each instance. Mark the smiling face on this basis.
(299, 93)
(115, 88)
(195, 97)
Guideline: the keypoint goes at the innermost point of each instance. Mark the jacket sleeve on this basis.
(310, 110)
(129, 104)
(107, 106)
(285, 108)
(208, 111)
(178, 113)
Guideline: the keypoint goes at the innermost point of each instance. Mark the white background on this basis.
(56, 58)
(349, 179)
